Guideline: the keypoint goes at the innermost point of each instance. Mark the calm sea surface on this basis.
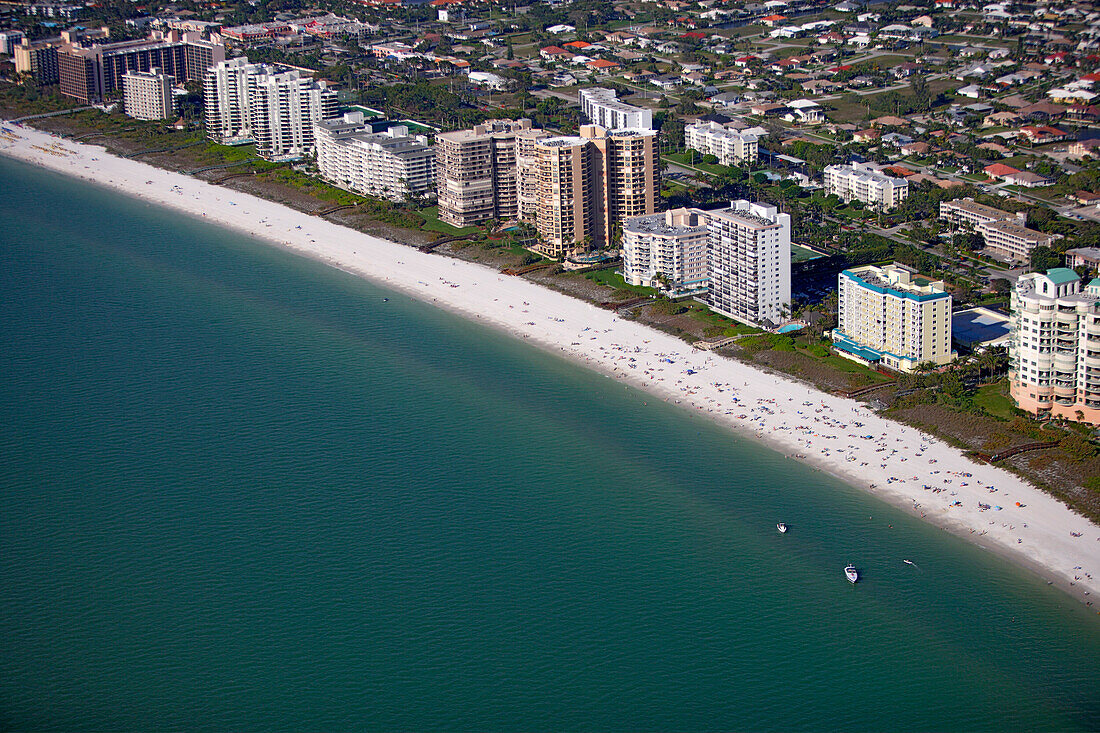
(241, 491)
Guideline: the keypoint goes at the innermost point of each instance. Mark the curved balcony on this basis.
(1066, 318)
(1065, 392)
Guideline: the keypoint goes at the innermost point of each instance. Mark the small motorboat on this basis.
(782, 527)
(908, 562)
(851, 573)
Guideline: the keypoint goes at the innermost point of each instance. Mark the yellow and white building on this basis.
(893, 317)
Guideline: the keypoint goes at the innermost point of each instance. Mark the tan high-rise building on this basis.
(527, 173)
(566, 212)
(572, 188)
(631, 183)
(590, 184)
(476, 172)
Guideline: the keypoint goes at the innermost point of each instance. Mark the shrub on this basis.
(1077, 447)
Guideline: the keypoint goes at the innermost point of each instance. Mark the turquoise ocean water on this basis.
(240, 491)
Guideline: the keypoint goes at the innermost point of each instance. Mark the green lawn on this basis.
(994, 399)
(687, 158)
(612, 279)
(433, 224)
(847, 365)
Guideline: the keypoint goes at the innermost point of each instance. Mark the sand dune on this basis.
(840, 436)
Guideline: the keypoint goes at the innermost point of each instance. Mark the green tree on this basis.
(1044, 258)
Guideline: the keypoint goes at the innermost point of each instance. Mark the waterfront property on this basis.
(247, 102)
(377, 160)
(476, 172)
(1054, 348)
(894, 317)
(92, 73)
(667, 251)
(588, 184)
(749, 263)
(147, 95)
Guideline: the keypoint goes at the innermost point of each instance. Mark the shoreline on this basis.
(841, 437)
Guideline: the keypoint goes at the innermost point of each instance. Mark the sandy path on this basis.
(841, 436)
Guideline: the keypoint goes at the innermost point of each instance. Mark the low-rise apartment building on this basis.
(388, 163)
(667, 251)
(749, 263)
(891, 316)
(1012, 240)
(1054, 347)
(1004, 233)
(729, 146)
(861, 182)
(969, 213)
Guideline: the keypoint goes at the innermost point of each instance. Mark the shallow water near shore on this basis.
(242, 490)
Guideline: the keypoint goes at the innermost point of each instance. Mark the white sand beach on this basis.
(841, 436)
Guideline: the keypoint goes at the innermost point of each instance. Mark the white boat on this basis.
(782, 527)
(851, 573)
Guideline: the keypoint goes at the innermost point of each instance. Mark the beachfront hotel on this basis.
(1054, 346)
(729, 146)
(601, 107)
(749, 262)
(476, 172)
(92, 73)
(387, 162)
(667, 251)
(893, 317)
(861, 182)
(245, 102)
(147, 95)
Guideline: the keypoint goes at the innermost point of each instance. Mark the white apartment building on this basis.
(601, 107)
(749, 262)
(969, 213)
(257, 103)
(729, 146)
(388, 163)
(893, 317)
(1005, 234)
(1054, 346)
(861, 182)
(147, 95)
(1011, 240)
(667, 251)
